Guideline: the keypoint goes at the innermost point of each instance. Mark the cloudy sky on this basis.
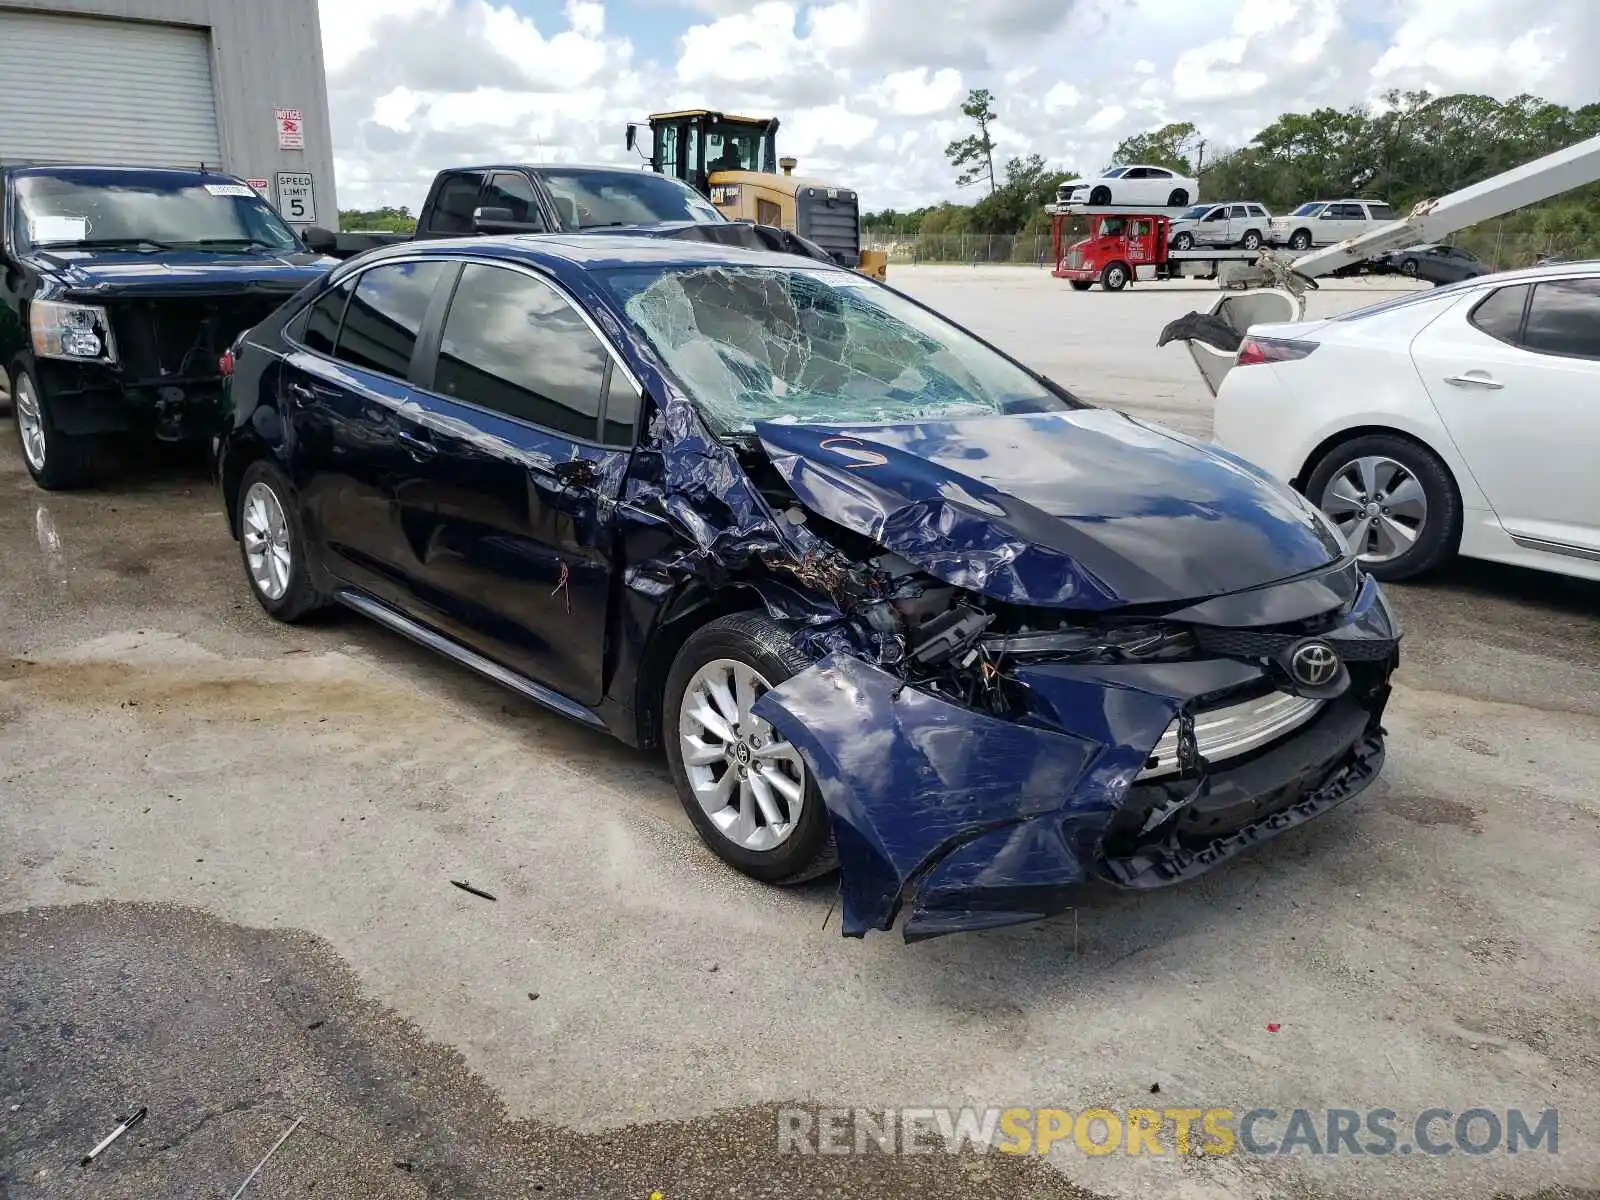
(869, 90)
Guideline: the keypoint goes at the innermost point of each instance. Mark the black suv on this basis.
(120, 288)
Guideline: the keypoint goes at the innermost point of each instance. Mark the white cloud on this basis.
(869, 91)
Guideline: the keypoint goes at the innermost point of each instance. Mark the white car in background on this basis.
(1324, 222)
(1134, 185)
(1460, 420)
(1230, 224)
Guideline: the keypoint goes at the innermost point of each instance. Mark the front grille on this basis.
(1074, 259)
(1265, 643)
(834, 224)
(1233, 730)
(161, 338)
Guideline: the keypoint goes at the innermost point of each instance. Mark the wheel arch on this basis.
(1351, 433)
(694, 605)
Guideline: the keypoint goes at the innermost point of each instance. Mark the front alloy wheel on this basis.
(749, 782)
(744, 787)
(30, 423)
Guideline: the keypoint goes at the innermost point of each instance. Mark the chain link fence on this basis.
(1501, 245)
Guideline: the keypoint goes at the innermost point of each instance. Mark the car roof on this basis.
(599, 251)
(1494, 279)
(635, 168)
(94, 171)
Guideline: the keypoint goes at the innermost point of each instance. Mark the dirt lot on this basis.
(226, 847)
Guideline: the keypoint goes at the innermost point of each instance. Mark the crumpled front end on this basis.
(958, 817)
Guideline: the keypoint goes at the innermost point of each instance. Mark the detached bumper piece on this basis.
(952, 819)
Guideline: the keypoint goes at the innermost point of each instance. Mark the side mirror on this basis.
(500, 220)
(633, 136)
(323, 241)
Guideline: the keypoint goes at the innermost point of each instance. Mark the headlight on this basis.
(76, 332)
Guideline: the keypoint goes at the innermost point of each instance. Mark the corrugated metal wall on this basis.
(263, 54)
(88, 90)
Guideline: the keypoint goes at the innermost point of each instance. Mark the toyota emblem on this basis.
(1314, 664)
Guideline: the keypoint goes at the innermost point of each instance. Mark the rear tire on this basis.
(1115, 277)
(1334, 486)
(57, 461)
(753, 647)
(1300, 240)
(1100, 196)
(273, 545)
(1178, 199)
(1252, 240)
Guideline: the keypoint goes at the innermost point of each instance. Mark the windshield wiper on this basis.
(106, 243)
(235, 241)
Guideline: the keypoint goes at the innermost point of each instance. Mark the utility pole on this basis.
(1200, 159)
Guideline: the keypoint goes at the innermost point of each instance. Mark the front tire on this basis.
(746, 790)
(1393, 499)
(1100, 196)
(1301, 240)
(1080, 285)
(1115, 277)
(57, 461)
(1183, 241)
(1409, 268)
(273, 545)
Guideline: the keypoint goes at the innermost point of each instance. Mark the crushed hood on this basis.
(113, 274)
(1087, 509)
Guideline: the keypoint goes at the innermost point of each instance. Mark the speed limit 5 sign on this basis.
(297, 197)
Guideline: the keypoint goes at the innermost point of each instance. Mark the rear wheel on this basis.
(1115, 277)
(1100, 196)
(1178, 199)
(746, 789)
(273, 545)
(1300, 240)
(1183, 241)
(57, 461)
(1393, 500)
(1252, 240)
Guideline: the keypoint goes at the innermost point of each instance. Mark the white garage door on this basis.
(81, 89)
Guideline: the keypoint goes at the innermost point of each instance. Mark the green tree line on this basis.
(1406, 148)
(372, 220)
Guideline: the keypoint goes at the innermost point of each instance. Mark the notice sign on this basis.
(291, 128)
(297, 199)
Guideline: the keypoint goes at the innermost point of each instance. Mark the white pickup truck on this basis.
(1326, 222)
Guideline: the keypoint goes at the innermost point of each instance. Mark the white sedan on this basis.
(1460, 420)
(1132, 185)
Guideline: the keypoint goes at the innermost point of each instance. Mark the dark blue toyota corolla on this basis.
(891, 601)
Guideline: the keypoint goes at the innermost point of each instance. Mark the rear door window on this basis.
(1500, 313)
(1380, 212)
(320, 328)
(1564, 318)
(453, 203)
(385, 315)
(512, 344)
(1238, 210)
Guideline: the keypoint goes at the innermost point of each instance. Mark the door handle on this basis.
(1474, 379)
(418, 445)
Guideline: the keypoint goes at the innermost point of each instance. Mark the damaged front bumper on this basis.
(957, 819)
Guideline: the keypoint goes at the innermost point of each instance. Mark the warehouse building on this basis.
(235, 84)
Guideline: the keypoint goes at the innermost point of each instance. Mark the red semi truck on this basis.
(1122, 240)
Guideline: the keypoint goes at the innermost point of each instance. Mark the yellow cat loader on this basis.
(733, 161)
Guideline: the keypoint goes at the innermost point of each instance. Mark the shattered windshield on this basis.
(1195, 213)
(802, 344)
